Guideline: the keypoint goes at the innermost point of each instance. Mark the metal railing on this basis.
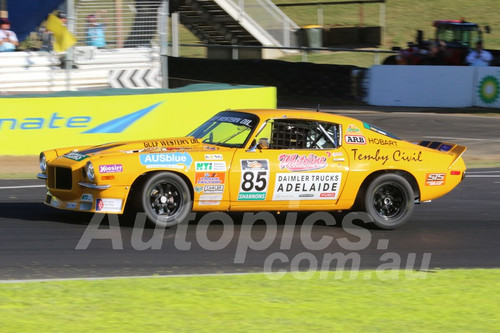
(271, 19)
(122, 23)
(305, 51)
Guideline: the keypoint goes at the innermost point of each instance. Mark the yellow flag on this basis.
(63, 39)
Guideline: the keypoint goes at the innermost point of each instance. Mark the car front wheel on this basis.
(166, 199)
(389, 199)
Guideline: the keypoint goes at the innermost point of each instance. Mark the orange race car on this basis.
(256, 160)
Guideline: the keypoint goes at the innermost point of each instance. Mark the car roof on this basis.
(298, 114)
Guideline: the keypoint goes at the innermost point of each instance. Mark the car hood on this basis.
(136, 147)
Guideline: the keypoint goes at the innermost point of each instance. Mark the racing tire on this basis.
(389, 200)
(166, 199)
(390, 60)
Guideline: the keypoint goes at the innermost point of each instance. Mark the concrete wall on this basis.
(433, 86)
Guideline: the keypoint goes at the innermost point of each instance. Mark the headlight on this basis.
(90, 171)
(43, 162)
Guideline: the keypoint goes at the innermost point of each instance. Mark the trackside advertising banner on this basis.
(434, 86)
(30, 125)
(487, 87)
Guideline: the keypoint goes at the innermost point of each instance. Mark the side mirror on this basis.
(252, 147)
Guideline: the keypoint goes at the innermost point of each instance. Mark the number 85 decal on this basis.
(254, 176)
(254, 181)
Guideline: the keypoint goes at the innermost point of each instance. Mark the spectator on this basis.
(479, 57)
(95, 32)
(8, 38)
(63, 17)
(46, 37)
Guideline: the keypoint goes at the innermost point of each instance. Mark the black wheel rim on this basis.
(389, 201)
(165, 199)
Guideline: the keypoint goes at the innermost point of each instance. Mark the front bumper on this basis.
(92, 200)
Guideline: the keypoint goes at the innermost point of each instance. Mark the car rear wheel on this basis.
(389, 199)
(166, 199)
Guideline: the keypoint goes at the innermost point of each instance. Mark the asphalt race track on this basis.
(460, 230)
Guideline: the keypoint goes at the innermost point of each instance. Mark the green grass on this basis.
(403, 19)
(441, 301)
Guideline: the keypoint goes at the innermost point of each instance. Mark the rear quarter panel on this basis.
(370, 153)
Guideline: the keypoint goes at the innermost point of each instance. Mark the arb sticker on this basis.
(355, 139)
(435, 179)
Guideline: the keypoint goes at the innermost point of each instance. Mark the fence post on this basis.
(163, 32)
(69, 52)
(175, 34)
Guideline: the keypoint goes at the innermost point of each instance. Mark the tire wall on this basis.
(306, 81)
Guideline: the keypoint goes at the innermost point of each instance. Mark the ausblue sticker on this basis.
(167, 160)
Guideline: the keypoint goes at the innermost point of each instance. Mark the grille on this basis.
(60, 178)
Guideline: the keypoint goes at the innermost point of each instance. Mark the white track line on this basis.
(466, 139)
(21, 186)
(482, 176)
(133, 277)
(478, 172)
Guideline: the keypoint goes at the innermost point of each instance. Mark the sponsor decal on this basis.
(355, 139)
(307, 186)
(76, 156)
(210, 166)
(214, 189)
(353, 130)
(108, 205)
(54, 202)
(87, 197)
(214, 157)
(379, 131)
(396, 156)
(71, 205)
(169, 143)
(210, 197)
(296, 162)
(110, 168)
(254, 180)
(435, 179)
(85, 205)
(338, 157)
(233, 120)
(198, 189)
(167, 160)
(208, 203)
(383, 142)
(203, 178)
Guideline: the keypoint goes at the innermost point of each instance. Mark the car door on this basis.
(295, 164)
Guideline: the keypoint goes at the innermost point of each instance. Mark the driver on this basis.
(263, 143)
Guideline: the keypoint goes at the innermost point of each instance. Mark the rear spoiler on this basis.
(446, 147)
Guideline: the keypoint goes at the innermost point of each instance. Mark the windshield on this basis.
(465, 36)
(228, 129)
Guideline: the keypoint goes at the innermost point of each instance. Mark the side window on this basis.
(299, 134)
